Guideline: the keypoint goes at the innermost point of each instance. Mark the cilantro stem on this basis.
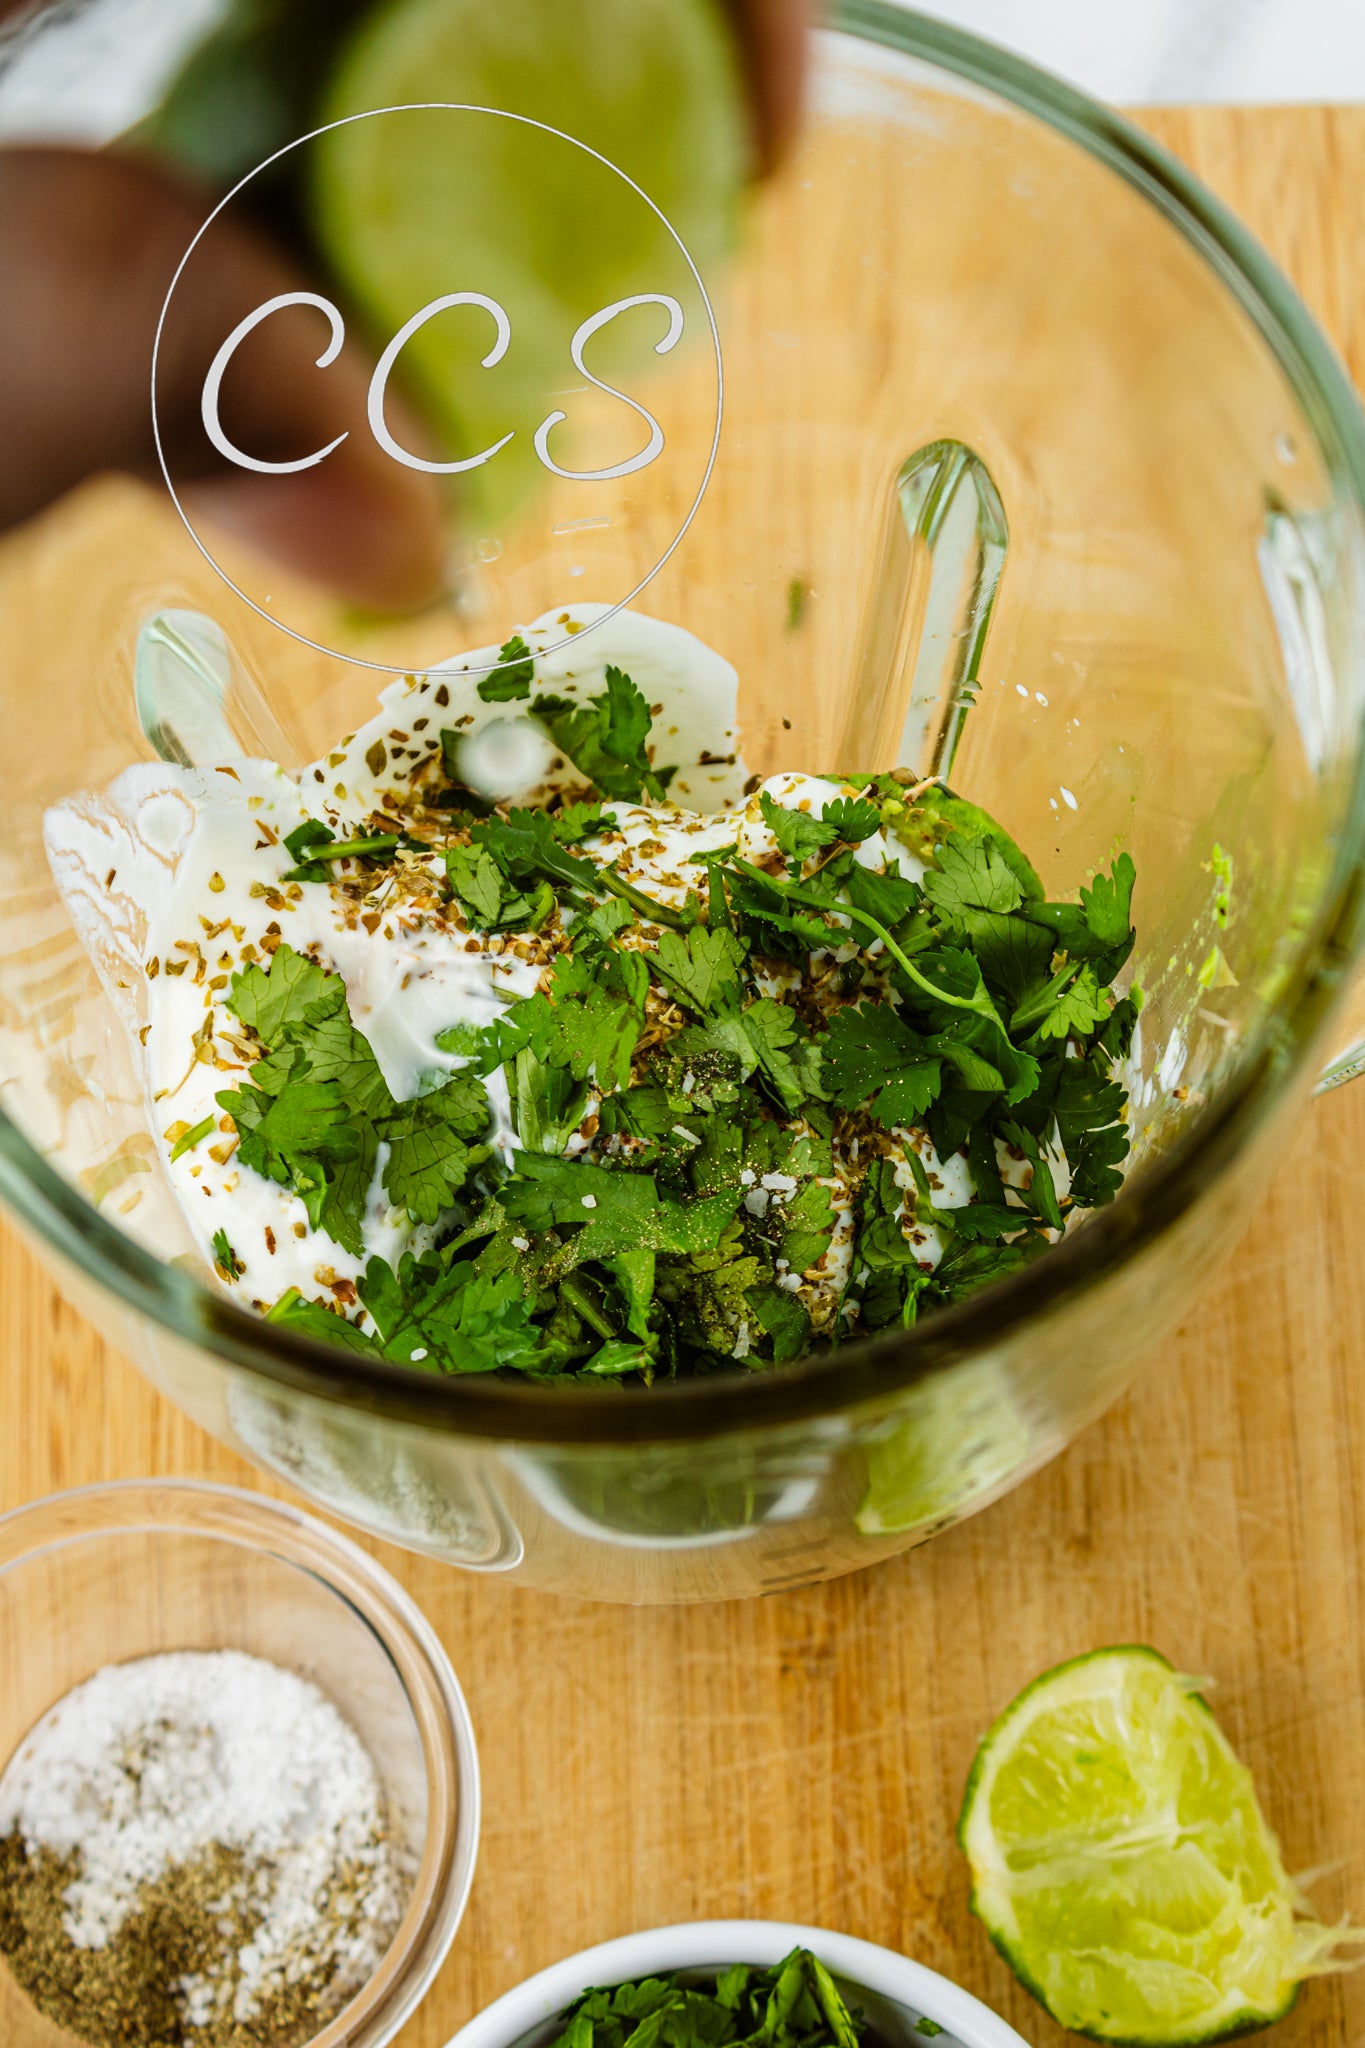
(809, 901)
(316, 857)
(657, 913)
(187, 1141)
(591, 1315)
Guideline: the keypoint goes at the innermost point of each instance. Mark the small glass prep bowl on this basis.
(104, 1574)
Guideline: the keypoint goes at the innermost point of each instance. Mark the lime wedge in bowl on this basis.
(1123, 1867)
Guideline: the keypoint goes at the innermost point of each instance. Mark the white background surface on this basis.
(88, 83)
(1182, 50)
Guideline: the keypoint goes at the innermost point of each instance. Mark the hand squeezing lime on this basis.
(406, 208)
(1122, 1864)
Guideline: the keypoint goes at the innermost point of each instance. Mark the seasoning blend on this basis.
(194, 1853)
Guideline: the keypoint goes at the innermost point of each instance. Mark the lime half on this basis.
(414, 206)
(1122, 1865)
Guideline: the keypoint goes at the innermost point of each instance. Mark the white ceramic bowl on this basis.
(891, 1989)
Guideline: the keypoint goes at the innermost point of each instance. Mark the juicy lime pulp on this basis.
(414, 206)
(1122, 1865)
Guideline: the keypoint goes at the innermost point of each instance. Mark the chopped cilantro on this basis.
(799, 836)
(1108, 901)
(606, 738)
(511, 679)
(971, 875)
(315, 846)
(187, 1140)
(853, 818)
(796, 2004)
(872, 1057)
(431, 1150)
(315, 1108)
(703, 968)
(705, 1095)
(225, 1258)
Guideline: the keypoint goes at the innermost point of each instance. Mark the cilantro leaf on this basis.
(1095, 1160)
(525, 848)
(292, 994)
(466, 1041)
(871, 1055)
(333, 1050)
(1069, 1005)
(783, 1320)
(764, 1037)
(456, 1320)
(1088, 1108)
(225, 1257)
(965, 1268)
(511, 679)
(853, 818)
(293, 1311)
(1078, 1009)
(618, 1211)
(953, 818)
(305, 1137)
(971, 875)
(605, 738)
(474, 876)
(593, 1034)
(807, 1226)
(430, 1156)
(307, 1120)
(627, 722)
(311, 833)
(579, 821)
(582, 1023)
(887, 896)
(1013, 953)
(799, 836)
(703, 967)
(1107, 904)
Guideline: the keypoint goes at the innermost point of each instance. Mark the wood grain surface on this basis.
(803, 1757)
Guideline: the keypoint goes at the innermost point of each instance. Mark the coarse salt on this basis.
(155, 1762)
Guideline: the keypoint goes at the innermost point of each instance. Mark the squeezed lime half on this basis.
(1123, 1867)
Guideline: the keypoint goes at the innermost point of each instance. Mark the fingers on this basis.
(773, 36)
(91, 245)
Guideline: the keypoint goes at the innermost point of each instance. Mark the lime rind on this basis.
(1122, 1866)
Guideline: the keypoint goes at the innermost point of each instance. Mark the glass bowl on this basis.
(893, 1991)
(106, 1573)
(1032, 467)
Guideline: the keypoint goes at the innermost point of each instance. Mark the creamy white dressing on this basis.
(175, 879)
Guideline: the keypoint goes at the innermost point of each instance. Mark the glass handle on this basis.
(196, 704)
(1298, 558)
(942, 552)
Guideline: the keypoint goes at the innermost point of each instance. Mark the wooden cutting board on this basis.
(803, 1757)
